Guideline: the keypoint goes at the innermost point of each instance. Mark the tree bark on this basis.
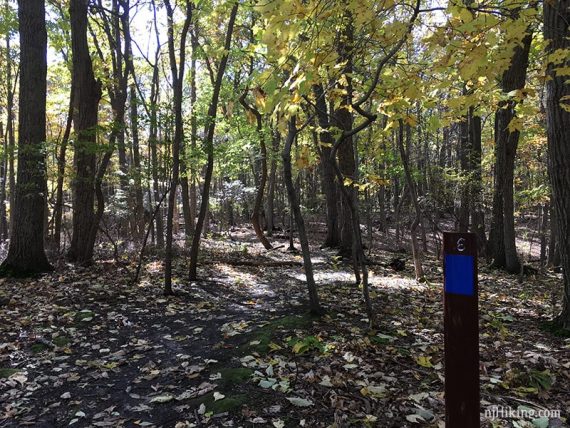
(556, 34)
(87, 93)
(332, 239)
(344, 121)
(26, 254)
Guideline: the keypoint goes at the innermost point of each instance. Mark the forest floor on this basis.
(83, 347)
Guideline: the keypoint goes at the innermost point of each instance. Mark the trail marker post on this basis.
(461, 330)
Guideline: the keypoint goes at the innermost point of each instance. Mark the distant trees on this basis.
(26, 253)
(431, 154)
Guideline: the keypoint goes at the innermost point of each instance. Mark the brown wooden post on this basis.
(461, 328)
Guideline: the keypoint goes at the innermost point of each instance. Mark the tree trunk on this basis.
(270, 201)
(553, 242)
(136, 172)
(476, 188)
(58, 209)
(502, 239)
(314, 304)
(87, 93)
(26, 254)
(258, 204)
(344, 121)
(465, 163)
(177, 71)
(411, 184)
(209, 143)
(332, 239)
(11, 88)
(556, 34)
(193, 136)
(542, 232)
(3, 178)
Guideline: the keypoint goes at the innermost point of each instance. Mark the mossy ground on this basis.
(555, 329)
(6, 372)
(227, 404)
(260, 340)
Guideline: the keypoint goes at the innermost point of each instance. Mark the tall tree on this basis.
(177, 73)
(557, 36)
(11, 88)
(209, 130)
(502, 236)
(86, 97)
(258, 204)
(314, 303)
(26, 253)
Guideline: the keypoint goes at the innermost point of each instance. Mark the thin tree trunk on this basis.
(3, 178)
(193, 135)
(464, 155)
(477, 210)
(414, 197)
(177, 71)
(258, 204)
(11, 87)
(61, 158)
(138, 214)
(314, 304)
(209, 143)
(270, 201)
(542, 232)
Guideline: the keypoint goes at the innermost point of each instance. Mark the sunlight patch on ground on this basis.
(154, 266)
(325, 277)
(239, 277)
(397, 283)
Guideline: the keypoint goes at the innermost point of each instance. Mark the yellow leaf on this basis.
(424, 361)
(516, 124)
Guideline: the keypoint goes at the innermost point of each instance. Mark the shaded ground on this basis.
(84, 348)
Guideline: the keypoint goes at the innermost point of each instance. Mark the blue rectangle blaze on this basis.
(459, 274)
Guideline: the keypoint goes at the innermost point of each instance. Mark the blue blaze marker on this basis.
(459, 274)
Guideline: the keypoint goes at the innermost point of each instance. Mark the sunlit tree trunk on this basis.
(314, 304)
(209, 143)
